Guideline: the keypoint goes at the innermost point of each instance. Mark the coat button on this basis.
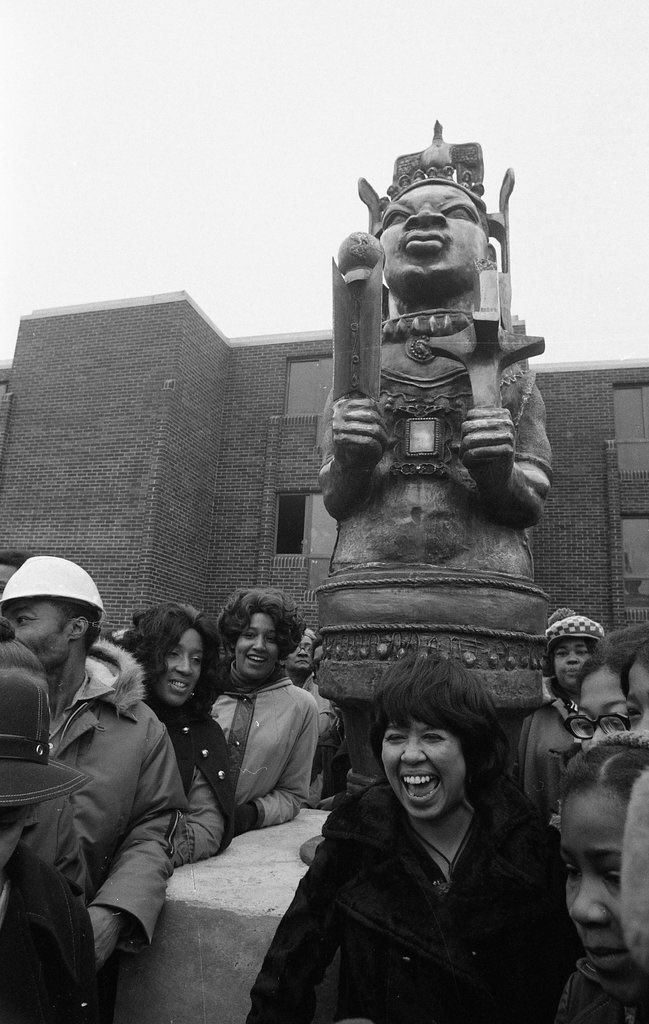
(186, 729)
(204, 753)
(221, 774)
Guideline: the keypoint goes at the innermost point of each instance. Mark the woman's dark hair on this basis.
(614, 763)
(14, 654)
(153, 636)
(243, 604)
(439, 692)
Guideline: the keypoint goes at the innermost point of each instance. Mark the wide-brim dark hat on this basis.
(27, 776)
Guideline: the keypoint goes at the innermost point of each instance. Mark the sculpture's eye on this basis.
(461, 213)
(395, 216)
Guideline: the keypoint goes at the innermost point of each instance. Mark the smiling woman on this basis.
(432, 883)
(271, 725)
(177, 646)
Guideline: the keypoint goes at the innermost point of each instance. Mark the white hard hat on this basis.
(47, 576)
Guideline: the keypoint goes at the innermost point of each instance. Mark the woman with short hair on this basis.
(271, 725)
(434, 883)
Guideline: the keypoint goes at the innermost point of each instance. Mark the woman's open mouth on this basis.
(420, 787)
(178, 685)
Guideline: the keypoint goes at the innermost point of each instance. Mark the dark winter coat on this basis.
(584, 1001)
(47, 953)
(494, 947)
(201, 744)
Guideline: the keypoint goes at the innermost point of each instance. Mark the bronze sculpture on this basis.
(436, 461)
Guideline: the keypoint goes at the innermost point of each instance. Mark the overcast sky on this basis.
(214, 146)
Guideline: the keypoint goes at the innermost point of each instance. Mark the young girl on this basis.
(607, 987)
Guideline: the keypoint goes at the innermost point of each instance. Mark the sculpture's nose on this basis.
(427, 217)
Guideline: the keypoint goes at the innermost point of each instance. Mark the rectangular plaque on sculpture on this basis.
(423, 437)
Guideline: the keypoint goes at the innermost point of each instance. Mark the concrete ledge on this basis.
(217, 923)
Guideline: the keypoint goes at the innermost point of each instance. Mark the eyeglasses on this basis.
(584, 727)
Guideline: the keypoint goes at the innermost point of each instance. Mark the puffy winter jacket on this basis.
(126, 813)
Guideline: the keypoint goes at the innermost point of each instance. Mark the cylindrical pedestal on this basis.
(492, 624)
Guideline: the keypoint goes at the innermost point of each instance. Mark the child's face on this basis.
(567, 658)
(592, 827)
(638, 698)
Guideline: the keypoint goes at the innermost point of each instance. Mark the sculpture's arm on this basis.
(512, 490)
(355, 440)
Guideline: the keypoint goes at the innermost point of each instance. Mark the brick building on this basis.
(169, 460)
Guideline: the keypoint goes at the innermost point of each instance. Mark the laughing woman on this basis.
(434, 883)
(177, 647)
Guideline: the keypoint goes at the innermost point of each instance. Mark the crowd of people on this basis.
(467, 885)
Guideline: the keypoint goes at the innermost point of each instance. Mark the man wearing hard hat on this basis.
(126, 812)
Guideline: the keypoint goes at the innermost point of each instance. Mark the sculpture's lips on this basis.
(424, 244)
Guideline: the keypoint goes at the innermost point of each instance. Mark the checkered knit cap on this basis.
(573, 626)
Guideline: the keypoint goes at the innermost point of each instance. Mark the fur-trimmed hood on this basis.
(116, 668)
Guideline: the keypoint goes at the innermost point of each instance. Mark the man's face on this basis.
(432, 236)
(40, 626)
(300, 661)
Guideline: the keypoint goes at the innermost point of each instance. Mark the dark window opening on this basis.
(304, 527)
(635, 545)
(290, 524)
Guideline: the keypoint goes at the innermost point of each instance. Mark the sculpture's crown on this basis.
(459, 163)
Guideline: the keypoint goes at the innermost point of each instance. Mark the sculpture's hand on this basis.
(359, 434)
(487, 447)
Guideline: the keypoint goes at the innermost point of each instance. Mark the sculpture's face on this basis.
(432, 236)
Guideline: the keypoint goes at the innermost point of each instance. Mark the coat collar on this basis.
(120, 675)
(509, 822)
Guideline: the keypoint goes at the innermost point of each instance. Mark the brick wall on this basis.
(577, 545)
(111, 449)
(263, 453)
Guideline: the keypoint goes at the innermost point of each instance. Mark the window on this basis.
(304, 527)
(309, 383)
(635, 544)
(631, 407)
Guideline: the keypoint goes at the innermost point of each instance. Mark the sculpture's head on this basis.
(432, 234)
(433, 224)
